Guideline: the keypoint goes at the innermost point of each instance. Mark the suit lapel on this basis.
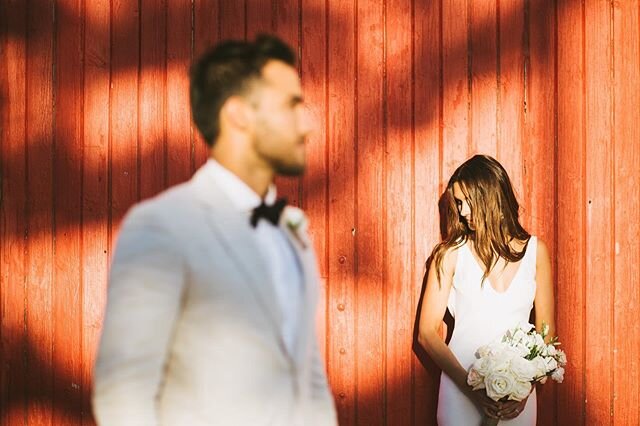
(302, 248)
(234, 232)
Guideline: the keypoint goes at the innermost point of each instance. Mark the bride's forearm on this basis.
(445, 359)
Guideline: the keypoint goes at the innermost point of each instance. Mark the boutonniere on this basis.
(296, 222)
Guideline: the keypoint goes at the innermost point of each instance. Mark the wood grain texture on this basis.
(341, 292)
(398, 180)
(95, 184)
(67, 213)
(178, 116)
(539, 164)
(626, 157)
(14, 340)
(124, 95)
(40, 218)
(206, 32)
(455, 84)
(152, 147)
(370, 338)
(571, 216)
(94, 116)
(599, 207)
(511, 149)
(427, 188)
(483, 49)
(232, 23)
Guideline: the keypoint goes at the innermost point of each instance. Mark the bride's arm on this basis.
(544, 303)
(434, 305)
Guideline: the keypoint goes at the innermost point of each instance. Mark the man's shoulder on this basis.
(167, 206)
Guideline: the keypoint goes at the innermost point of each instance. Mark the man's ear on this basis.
(237, 112)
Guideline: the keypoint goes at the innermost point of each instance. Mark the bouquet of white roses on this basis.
(507, 369)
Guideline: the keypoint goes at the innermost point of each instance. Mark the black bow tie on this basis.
(271, 213)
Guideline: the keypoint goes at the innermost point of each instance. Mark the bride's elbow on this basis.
(425, 338)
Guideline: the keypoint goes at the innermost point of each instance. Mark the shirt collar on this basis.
(241, 195)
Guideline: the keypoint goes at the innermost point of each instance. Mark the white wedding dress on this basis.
(482, 315)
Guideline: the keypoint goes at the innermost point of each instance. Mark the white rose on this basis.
(540, 366)
(551, 363)
(294, 217)
(519, 335)
(551, 350)
(483, 351)
(521, 349)
(530, 341)
(521, 390)
(562, 358)
(499, 362)
(499, 384)
(482, 366)
(558, 375)
(475, 379)
(523, 369)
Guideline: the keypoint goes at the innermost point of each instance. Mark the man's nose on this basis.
(307, 123)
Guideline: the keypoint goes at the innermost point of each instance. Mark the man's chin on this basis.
(290, 170)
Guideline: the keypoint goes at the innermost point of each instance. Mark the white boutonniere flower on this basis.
(296, 222)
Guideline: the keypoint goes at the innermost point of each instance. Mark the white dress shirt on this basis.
(280, 258)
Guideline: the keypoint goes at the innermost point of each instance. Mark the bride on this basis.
(490, 273)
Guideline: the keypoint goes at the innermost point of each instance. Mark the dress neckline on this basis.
(515, 275)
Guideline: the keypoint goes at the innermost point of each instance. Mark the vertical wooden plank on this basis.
(484, 78)
(260, 17)
(13, 339)
(427, 134)
(539, 163)
(151, 120)
(178, 120)
(511, 92)
(66, 286)
(206, 18)
(39, 140)
(626, 329)
(314, 198)
(571, 276)
(124, 108)
(232, 23)
(370, 142)
(286, 17)
(95, 189)
(599, 244)
(398, 230)
(455, 101)
(342, 196)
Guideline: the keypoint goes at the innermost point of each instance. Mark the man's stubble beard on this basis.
(280, 167)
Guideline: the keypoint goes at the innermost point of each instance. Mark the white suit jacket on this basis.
(192, 331)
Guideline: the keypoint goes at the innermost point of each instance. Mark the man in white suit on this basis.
(212, 291)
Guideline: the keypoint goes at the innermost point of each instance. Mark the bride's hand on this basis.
(487, 405)
(511, 409)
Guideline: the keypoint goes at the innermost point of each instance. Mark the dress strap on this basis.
(532, 251)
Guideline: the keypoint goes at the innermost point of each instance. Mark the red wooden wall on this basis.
(94, 116)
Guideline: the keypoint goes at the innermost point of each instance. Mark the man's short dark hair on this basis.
(226, 70)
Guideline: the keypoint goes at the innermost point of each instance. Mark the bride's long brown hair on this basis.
(495, 213)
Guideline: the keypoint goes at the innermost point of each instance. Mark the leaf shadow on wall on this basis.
(46, 218)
